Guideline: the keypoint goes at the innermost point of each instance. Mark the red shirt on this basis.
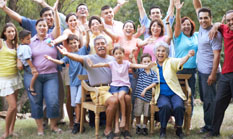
(228, 49)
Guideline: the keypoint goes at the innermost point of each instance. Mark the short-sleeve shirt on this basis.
(206, 46)
(146, 22)
(76, 68)
(183, 44)
(39, 49)
(30, 25)
(129, 46)
(98, 76)
(150, 48)
(116, 27)
(24, 53)
(228, 49)
(143, 81)
(120, 74)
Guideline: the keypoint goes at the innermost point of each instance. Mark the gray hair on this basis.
(163, 44)
(98, 38)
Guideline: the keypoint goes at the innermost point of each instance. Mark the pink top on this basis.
(120, 75)
(39, 49)
(149, 48)
(129, 46)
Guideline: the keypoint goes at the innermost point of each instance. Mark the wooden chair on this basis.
(183, 80)
(86, 103)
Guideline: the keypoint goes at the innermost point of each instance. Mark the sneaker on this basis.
(179, 132)
(76, 128)
(162, 133)
(204, 129)
(144, 131)
(138, 130)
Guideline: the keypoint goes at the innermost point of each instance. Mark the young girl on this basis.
(120, 79)
(75, 68)
(10, 81)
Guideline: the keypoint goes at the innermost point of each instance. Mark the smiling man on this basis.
(208, 57)
(225, 84)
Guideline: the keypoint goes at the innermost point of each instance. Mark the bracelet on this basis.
(167, 23)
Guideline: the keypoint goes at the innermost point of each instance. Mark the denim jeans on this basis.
(46, 87)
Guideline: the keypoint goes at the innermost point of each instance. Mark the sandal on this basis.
(111, 135)
(57, 131)
(32, 92)
(126, 134)
(117, 135)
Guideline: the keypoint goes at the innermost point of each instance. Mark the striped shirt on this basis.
(143, 81)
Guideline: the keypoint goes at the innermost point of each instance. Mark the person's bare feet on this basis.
(122, 123)
(13, 134)
(4, 136)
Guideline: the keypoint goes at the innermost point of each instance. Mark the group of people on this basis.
(107, 51)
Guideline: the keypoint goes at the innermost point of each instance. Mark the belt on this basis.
(100, 85)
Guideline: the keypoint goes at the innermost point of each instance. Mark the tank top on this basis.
(7, 61)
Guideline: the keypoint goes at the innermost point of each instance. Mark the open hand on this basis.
(48, 57)
(2, 3)
(39, 1)
(62, 50)
(122, 2)
(178, 4)
(141, 29)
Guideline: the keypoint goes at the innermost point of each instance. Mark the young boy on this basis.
(24, 53)
(75, 68)
(147, 79)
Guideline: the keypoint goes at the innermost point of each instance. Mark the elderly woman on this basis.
(46, 84)
(169, 95)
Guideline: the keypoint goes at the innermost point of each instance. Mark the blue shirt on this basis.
(24, 53)
(183, 44)
(30, 25)
(76, 68)
(143, 81)
(164, 88)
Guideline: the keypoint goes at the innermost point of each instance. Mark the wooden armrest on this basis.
(88, 88)
(83, 77)
(153, 96)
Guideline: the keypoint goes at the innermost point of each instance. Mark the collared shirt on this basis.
(24, 53)
(206, 46)
(39, 49)
(143, 81)
(228, 49)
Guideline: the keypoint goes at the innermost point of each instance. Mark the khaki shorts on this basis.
(65, 75)
(141, 107)
(103, 94)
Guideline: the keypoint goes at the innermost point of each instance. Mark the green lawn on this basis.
(27, 129)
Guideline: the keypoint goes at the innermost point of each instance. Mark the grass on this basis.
(27, 129)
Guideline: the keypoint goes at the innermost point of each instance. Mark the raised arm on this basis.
(214, 30)
(178, 18)
(54, 60)
(72, 56)
(141, 9)
(15, 16)
(168, 38)
(197, 5)
(113, 36)
(42, 3)
(141, 66)
(186, 58)
(98, 65)
(57, 29)
(170, 10)
(120, 3)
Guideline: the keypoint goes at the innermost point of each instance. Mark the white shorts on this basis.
(9, 84)
(76, 94)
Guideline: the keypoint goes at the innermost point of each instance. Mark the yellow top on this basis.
(170, 67)
(108, 39)
(7, 60)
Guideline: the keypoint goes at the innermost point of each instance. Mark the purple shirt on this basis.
(39, 49)
(120, 74)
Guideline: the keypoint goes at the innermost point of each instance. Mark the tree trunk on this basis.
(12, 4)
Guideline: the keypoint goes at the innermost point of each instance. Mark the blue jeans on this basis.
(207, 95)
(133, 82)
(46, 87)
(170, 105)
